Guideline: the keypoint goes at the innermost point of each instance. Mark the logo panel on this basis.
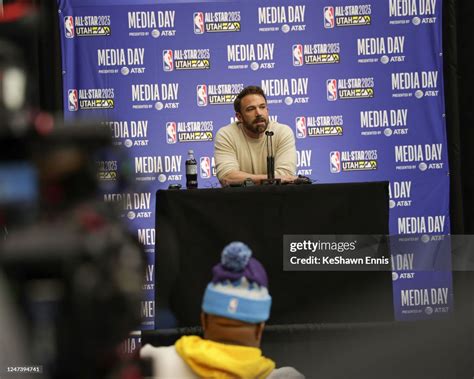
(205, 165)
(335, 162)
(201, 95)
(347, 15)
(331, 89)
(198, 18)
(297, 55)
(186, 59)
(329, 17)
(73, 102)
(69, 27)
(171, 134)
(88, 26)
(168, 62)
(300, 127)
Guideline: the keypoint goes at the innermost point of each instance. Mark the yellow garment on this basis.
(210, 359)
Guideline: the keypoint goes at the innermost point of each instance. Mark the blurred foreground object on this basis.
(73, 274)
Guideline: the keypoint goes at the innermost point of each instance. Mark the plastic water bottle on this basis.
(191, 171)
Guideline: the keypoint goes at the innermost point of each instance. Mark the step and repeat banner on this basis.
(360, 82)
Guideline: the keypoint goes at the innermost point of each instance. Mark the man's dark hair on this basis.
(249, 90)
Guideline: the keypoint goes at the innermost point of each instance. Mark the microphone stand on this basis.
(270, 162)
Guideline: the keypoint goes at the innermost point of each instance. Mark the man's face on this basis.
(253, 114)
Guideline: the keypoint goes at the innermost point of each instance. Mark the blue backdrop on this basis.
(360, 82)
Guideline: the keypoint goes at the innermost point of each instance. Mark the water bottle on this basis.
(191, 171)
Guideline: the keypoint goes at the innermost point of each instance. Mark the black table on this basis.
(194, 225)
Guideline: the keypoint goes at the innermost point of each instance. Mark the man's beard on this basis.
(255, 126)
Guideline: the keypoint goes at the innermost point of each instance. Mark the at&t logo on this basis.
(168, 63)
(198, 18)
(201, 95)
(72, 100)
(300, 123)
(331, 89)
(297, 55)
(335, 162)
(329, 17)
(69, 27)
(171, 134)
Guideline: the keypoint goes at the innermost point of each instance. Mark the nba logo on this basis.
(171, 132)
(331, 86)
(335, 161)
(329, 17)
(168, 63)
(298, 55)
(198, 23)
(205, 163)
(233, 305)
(72, 101)
(300, 127)
(201, 95)
(69, 27)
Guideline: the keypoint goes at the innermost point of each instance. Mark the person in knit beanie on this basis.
(235, 306)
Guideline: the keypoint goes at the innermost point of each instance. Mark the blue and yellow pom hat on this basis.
(238, 289)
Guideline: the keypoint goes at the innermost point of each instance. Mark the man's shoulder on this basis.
(282, 128)
(278, 124)
(229, 131)
(229, 128)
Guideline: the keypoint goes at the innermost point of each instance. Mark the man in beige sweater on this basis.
(240, 149)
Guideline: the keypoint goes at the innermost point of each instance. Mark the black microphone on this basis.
(270, 157)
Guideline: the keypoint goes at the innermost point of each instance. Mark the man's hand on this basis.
(237, 177)
(286, 178)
